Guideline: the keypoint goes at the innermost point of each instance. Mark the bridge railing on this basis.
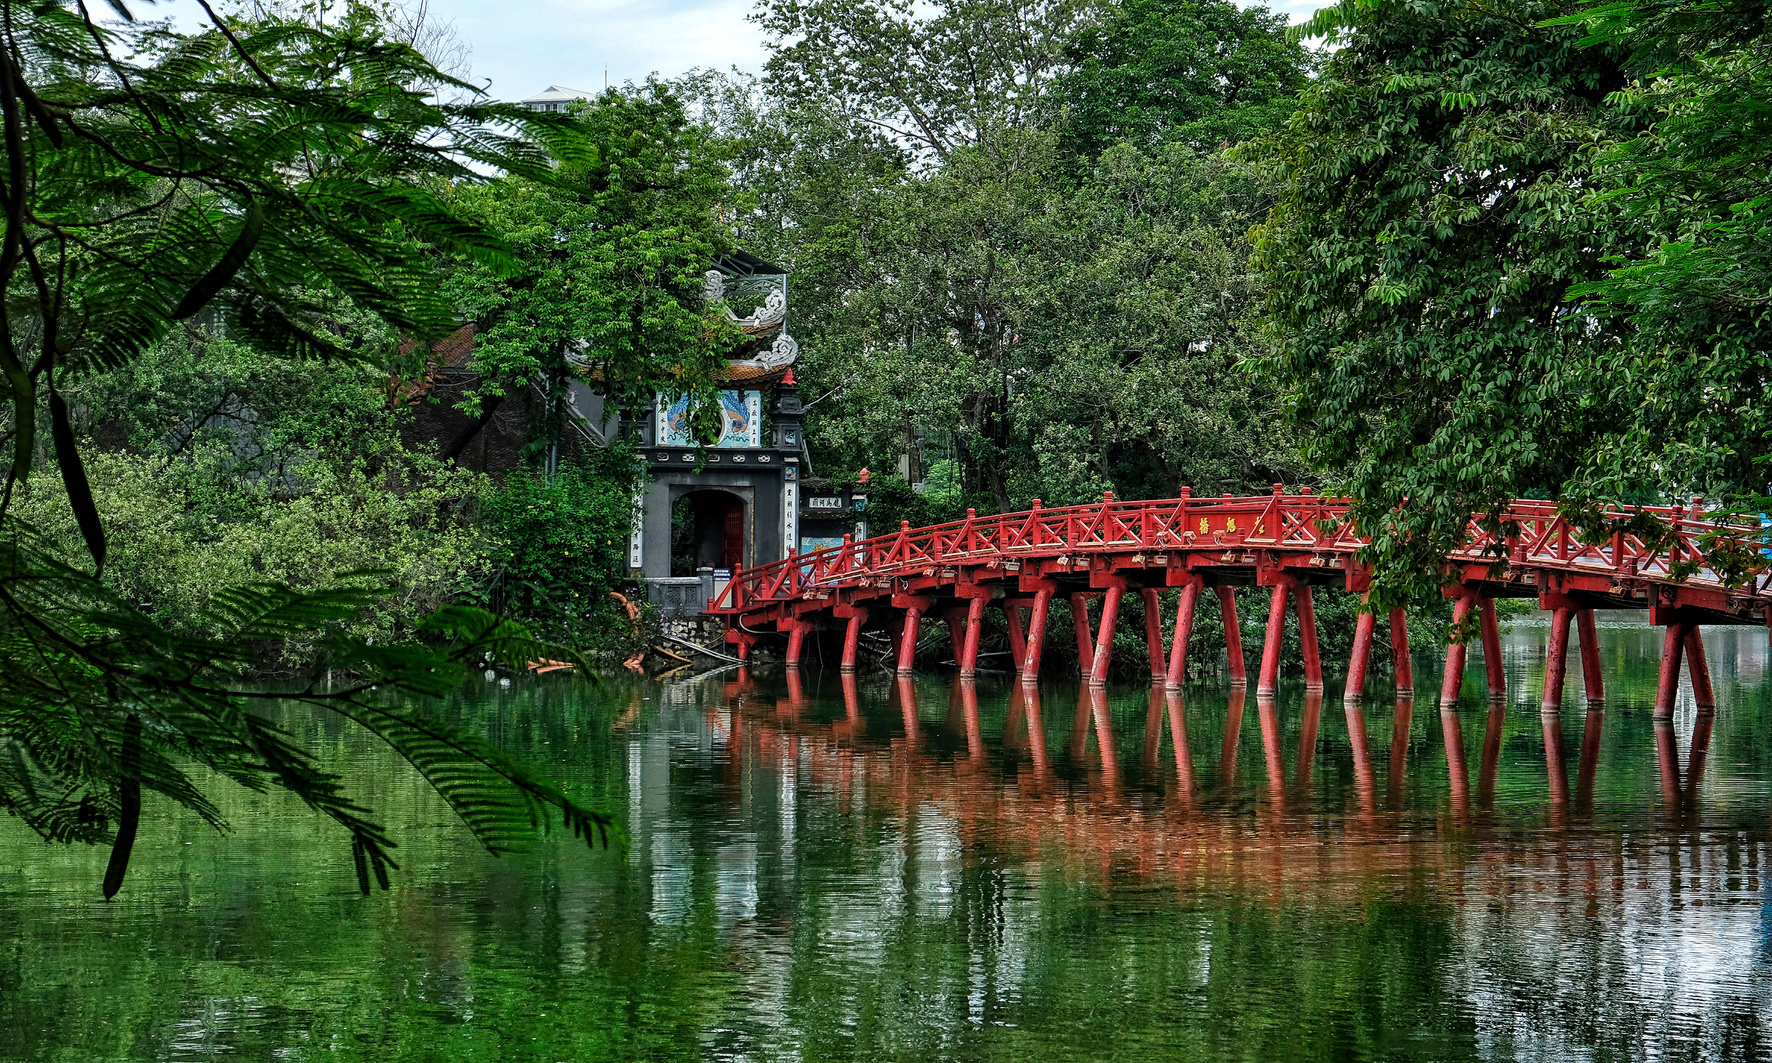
(1290, 521)
(1280, 521)
(1547, 539)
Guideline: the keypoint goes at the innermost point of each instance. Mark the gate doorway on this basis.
(707, 531)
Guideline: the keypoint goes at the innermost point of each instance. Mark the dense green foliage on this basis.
(1692, 186)
(1206, 75)
(558, 542)
(251, 178)
(990, 271)
(1515, 258)
(1419, 265)
(611, 254)
(215, 465)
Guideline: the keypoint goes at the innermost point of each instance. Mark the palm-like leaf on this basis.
(234, 172)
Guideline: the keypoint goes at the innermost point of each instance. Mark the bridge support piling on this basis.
(955, 619)
(1030, 665)
(1085, 637)
(1453, 678)
(1673, 647)
(1362, 655)
(1104, 642)
(1184, 626)
(1699, 668)
(1591, 679)
(1400, 652)
(1307, 639)
(974, 628)
(1018, 643)
(1556, 660)
(797, 630)
(907, 641)
(852, 636)
(1233, 636)
(1153, 631)
(1269, 680)
(1492, 669)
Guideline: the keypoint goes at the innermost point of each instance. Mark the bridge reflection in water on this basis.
(1088, 872)
(1090, 778)
(1091, 766)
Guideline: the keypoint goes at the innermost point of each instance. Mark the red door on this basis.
(732, 554)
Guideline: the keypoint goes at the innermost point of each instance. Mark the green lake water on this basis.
(912, 872)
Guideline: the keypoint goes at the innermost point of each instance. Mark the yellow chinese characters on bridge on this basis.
(1206, 526)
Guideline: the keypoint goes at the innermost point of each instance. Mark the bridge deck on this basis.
(1290, 543)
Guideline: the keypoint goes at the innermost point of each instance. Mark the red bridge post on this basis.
(955, 619)
(1287, 586)
(914, 606)
(974, 627)
(1673, 648)
(1400, 651)
(1699, 668)
(797, 631)
(1018, 643)
(1556, 659)
(1453, 678)
(1030, 667)
(1153, 631)
(1104, 641)
(1591, 677)
(856, 616)
(1361, 656)
(1307, 639)
(1492, 649)
(1233, 635)
(1085, 637)
(1184, 626)
(1269, 680)
(1683, 640)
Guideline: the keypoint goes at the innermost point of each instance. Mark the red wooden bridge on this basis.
(1288, 542)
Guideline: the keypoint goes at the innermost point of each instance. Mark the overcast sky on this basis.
(523, 47)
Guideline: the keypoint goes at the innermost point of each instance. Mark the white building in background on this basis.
(555, 98)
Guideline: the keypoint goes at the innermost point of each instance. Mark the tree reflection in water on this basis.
(842, 867)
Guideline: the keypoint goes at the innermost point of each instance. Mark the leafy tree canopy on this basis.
(1437, 210)
(1204, 72)
(1691, 183)
(1010, 249)
(610, 256)
(240, 174)
(934, 77)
